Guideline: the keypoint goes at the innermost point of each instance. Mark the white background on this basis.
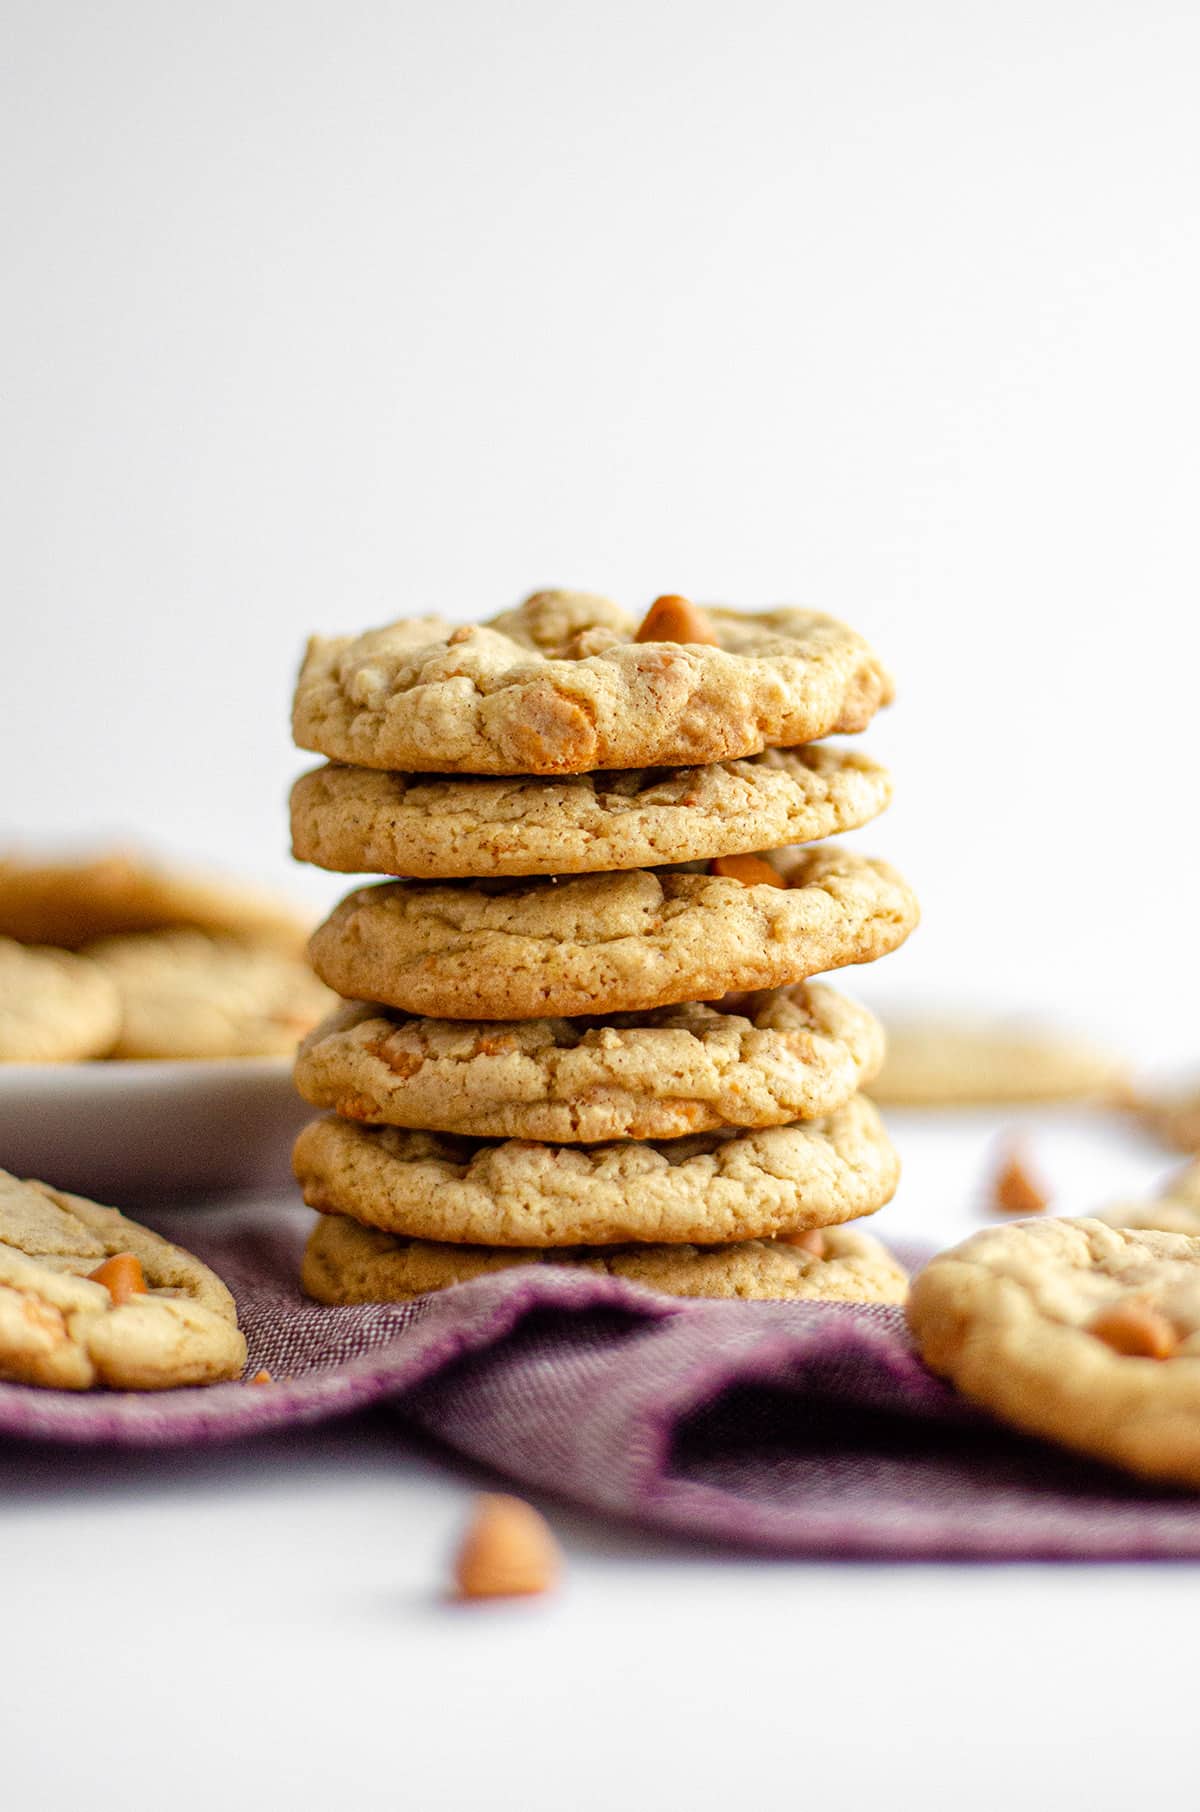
(315, 314)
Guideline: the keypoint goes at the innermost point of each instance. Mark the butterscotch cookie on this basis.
(186, 994)
(609, 943)
(704, 1190)
(958, 1061)
(1172, 1115)
(1175, 1210)
(791, 1054)
(54, 1007)
(348, 1263)
(364, 821)
(153, 1317)
(1079, 1332)
(71, 903)
(562, 685)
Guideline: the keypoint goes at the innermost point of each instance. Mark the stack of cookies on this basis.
(579, 1029)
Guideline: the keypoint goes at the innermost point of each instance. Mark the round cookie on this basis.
(347, 1263)
(560, 686)
(54, 1007)
(611, 943)
(1076, 1331)
(71, 903)
(787, 1055)
(58, 1327)
(1176, 1210)
(708, 1189)
(365, 821)
(960, 1062)
(1172, 1116)
(186, 994)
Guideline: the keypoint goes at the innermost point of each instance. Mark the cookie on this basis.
(186, 994)
(1079, 1332)
(364, 821)
(611, 943)
(1176, 1210)
(711, 1188)
(347, 1263)
(958, 1061)
(61, 1327)
(560, 685)
(71, 903)
(1172, 1115)
(792, 1054)
(54, 1007)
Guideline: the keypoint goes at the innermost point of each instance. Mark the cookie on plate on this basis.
(71, 903)
(790, 1054)
(348, 1263)
(1076, 1331)
(705, 1190)
(958, 1061)
(611, 943)
(365, 821)
(154, 1317)
(54, 1007)
(567, 683)
(186, 994)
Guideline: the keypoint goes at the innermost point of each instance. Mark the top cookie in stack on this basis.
(525, 1064)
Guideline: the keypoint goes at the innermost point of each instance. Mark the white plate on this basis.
(133, 1131)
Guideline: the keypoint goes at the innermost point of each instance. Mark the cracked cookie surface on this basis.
(1077, 1331)
(711, 1188)
(560, 686)
(611, 943)
(783, 1055)
(365, 821)
(348, 1263)
(59, 1327)
(55, 1007)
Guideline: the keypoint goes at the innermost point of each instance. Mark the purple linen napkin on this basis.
(803, 1428)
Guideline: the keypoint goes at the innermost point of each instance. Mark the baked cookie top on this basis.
(347, 1263)
(70, 903)
(364, 821)
(561, 685)
(186, 994)
(785, 1055)
(1077, 1331)
(711, 1188)
(175, 1323)
(609, 943)
(959, 1061)
(54, 1007)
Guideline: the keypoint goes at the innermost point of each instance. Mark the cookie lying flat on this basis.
(54, 1007)
(962, 1062)
(1076, 1331)
(1172, 1116)
(364, 821)
(59, 1327)
(185, 994)
(712, 1188)
(610, 943)
(347, 1263)
(1176, 1210)
(560, 686)
(72, 903)
(792, 1054)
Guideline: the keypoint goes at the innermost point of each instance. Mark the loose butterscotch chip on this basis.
(812, 1239)
(1134, 1328)
(122, 1277)
(674, 619)
(751, 871)
(1015, 1190)
(263, 1377)
(507, 1552)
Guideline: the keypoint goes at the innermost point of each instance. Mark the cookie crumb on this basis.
(508, 1551)
(1014, 1188)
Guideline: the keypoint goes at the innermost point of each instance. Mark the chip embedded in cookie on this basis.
(791, 1054)
(88, 1297)
(55, 1007)
(610, 943)
(712, 1188)
(345, 1262)
(564, 685)
(1077, 1331)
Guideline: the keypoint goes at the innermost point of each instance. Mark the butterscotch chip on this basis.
(520, 696)
(55, 1007)
(263, 1377)
(812, 1240)
(122, 1276)
(751, 871)
(675, 619)
(507, 1552)
(1134, 1328)
(1015, 1190)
